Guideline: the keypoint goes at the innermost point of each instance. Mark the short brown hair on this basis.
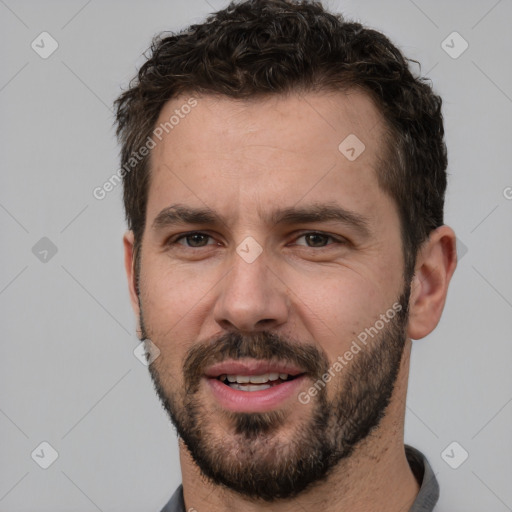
(261, 47)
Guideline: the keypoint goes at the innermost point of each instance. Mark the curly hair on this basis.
(263, 47)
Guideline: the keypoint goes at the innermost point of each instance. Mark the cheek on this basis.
(172, 297)
(336, 308)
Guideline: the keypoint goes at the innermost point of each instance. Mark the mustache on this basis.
(262, 345)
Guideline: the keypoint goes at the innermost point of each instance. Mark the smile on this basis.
(255, 382)
(252, 385)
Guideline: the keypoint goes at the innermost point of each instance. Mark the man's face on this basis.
(300, 254)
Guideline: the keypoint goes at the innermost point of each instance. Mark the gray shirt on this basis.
(425, 500)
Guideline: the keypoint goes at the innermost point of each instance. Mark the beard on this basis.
(260, 455)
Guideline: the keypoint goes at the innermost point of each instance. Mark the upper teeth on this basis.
(254, 379)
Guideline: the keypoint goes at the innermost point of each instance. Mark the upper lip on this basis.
(251, 367)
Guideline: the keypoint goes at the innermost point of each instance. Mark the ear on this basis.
(129, 265)
(435, 265)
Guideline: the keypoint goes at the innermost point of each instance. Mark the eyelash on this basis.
(184, 236)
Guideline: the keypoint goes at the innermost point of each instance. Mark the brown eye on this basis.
(193, 240)
(315, 239)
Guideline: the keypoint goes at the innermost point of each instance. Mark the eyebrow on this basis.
(182, 214)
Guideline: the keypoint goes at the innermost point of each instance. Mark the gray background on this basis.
(68, 373)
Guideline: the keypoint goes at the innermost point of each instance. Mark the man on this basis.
(284, 180)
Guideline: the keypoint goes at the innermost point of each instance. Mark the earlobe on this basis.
(435, 265)
(129, 265)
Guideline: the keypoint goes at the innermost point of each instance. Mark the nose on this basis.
(252, 297)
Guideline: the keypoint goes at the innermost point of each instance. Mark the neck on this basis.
(376, 476)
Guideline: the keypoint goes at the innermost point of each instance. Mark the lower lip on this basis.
(254, 401)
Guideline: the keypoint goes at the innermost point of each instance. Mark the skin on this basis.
(243, 159)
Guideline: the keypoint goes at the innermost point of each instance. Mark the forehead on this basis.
(277, 149)
(309, 121)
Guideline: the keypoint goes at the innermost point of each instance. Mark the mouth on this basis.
(255, 382)
(253, 386)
